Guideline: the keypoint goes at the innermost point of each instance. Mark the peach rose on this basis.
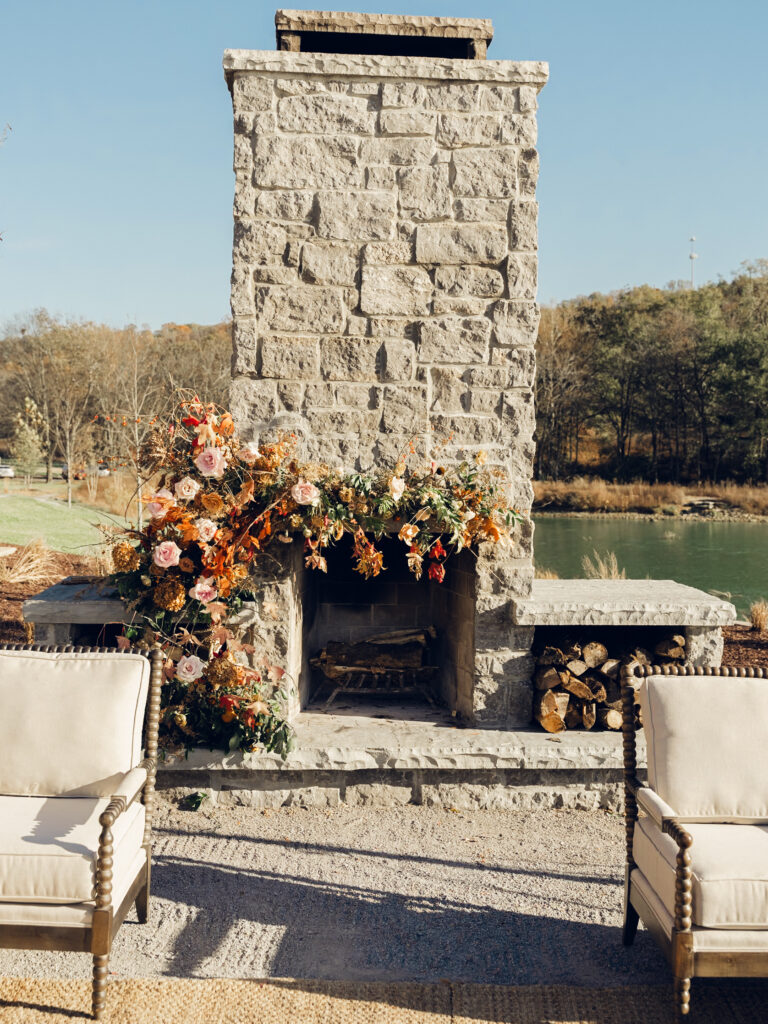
(189, 668)
(304, 493)
(206, 530)
(211, 462)
(397, 487)
(166, 554)
(408, 533)
(186, 488)
(160, 503)
(204, 590)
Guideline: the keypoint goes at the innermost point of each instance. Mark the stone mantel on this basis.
(346, 65)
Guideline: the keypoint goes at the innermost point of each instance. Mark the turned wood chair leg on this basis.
(631, 919)
(682, 997)
(100, 964)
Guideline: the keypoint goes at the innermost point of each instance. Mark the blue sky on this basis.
(116, 181)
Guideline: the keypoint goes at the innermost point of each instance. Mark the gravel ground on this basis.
(408, 894)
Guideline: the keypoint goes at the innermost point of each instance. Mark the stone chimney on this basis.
(385, 266)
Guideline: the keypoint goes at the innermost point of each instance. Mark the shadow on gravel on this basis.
(356, 933)
(355, 851)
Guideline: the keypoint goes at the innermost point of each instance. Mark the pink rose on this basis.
(206, 530)
(304, 493)
(204, 590)
(397, 487)
(211, 462)
(160, 503)
(249, 453)
(166, 554)
(186, 488)
(189, 668)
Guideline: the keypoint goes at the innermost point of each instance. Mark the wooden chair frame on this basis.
(685, 961)
(97, 937)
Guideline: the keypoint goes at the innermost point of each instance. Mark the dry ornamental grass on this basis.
(604, 567)
(593, 494)
(33, 563)
(758, 616)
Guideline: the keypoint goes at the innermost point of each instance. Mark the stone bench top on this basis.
(77, 603)
(620, 603)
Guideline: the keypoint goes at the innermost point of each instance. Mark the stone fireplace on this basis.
(383, 292)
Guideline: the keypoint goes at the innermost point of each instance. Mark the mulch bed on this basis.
(745, 646)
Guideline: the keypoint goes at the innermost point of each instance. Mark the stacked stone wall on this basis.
(384, 281)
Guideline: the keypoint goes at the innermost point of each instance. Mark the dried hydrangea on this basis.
(171, 595)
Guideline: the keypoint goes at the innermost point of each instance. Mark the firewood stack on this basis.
(580, 687)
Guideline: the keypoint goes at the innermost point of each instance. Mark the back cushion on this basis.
(707, 742)
(70, 724)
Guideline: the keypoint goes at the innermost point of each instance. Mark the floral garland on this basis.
(218, 507)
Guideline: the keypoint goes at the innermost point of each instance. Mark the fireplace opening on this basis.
(392, 638)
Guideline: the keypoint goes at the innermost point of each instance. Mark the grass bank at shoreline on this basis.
(593, 496)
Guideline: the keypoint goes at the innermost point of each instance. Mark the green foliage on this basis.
(671, 382)
(26, 448)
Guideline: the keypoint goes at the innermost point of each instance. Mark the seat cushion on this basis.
(70, 724)
(48, 847)
(729, 864)
(705, 940)
(707, 755)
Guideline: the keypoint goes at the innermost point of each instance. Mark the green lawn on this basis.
(23, 519)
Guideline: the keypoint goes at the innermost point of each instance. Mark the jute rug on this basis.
(192, 1001)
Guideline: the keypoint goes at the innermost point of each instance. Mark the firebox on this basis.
(383, 294)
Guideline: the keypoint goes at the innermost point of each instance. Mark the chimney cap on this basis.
(292, 25)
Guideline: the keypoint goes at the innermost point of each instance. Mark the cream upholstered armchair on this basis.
(697, 834)
(75, 797)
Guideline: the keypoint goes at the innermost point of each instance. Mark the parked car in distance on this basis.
(77, 474)
(7, 471)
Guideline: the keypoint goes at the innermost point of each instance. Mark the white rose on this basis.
(189, 668)
(206, 530)
(186, 488)
(397, 487)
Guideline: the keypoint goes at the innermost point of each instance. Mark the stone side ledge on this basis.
(620, 603)
(524, 72)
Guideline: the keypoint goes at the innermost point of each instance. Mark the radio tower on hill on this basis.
(692, 256)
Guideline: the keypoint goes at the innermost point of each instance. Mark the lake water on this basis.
(728, 559)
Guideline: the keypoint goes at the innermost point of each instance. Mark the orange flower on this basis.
(212, 502)
(226, 426)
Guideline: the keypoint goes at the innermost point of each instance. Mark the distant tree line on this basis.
(87, 394)
(657, 384)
